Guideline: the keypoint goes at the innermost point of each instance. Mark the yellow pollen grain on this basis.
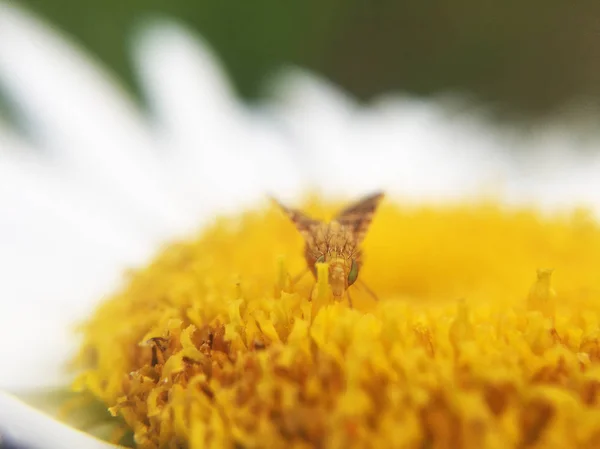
(472, 343)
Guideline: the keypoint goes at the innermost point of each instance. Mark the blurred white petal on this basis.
(556, 169)
(188, 90)
(84, 118)
(33, 182)
(411, 148)
(221, 154)
(59, 256)
(25, 427)
(318, 118)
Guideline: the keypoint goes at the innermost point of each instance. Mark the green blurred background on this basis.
(521, 57)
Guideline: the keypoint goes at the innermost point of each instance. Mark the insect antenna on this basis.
(366, 288)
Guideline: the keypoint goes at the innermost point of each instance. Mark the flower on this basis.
(212, 346)
(95, 187)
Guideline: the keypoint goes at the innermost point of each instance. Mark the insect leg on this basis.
(367, 289)
(300, 276)
(349, 299)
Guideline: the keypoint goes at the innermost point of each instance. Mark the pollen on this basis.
(472, 343)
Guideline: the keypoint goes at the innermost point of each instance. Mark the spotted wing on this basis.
(358, 216)
(303, 222)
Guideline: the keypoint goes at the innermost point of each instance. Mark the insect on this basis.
(337, 242)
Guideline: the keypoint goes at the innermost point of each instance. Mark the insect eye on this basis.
(321, 259)
(353, 273)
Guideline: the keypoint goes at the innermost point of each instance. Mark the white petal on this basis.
(60, 255)
(406, 147)
(221, 153)
(31, 181)
(53, 272)
(318, 118)
(84, 118)
(188, 90)
(427, 150)
(557, 169)
(24, 427)
(419, 151)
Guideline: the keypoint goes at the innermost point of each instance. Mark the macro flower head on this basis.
(212, 346)
(152, 232)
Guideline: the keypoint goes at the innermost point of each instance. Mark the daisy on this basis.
(96, 186)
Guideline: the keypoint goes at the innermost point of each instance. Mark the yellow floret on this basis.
(213, 346)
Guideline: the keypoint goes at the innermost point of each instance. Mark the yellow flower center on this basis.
(212, 346)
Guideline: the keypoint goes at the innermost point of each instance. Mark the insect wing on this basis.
(303, 222)
(358, 216)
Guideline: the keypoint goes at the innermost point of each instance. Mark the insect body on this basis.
(337, 242)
